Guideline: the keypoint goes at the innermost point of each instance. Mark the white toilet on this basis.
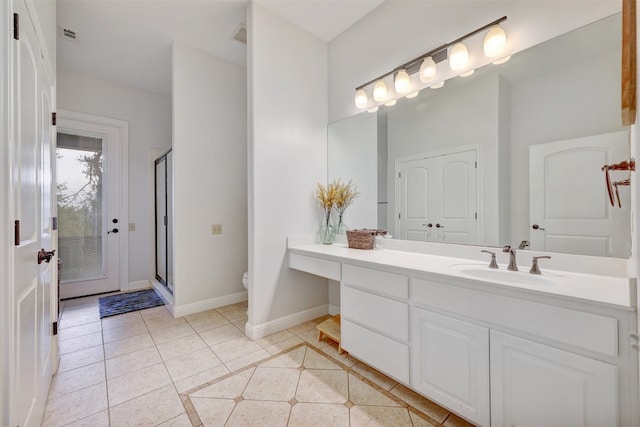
(245, 280)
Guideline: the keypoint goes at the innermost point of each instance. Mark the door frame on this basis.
(123, 216)
(453, 150)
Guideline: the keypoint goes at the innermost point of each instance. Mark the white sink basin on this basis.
(504, 276)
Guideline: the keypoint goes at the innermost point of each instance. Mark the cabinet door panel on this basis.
(450, 364)
(537, 385)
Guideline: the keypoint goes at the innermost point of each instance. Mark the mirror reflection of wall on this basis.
(483, 159)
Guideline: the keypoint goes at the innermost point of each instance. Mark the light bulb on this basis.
(379, 91)
(467, 73)
(372, 110)
(413, 95)
(459, 57)
(391, 103)
(361, 99)
(427, 70)
(402, 82)
(437, 85)
(494, 42)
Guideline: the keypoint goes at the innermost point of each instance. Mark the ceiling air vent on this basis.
(240, 34)
(67, 34)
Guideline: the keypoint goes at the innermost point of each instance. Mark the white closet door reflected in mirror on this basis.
(164, 214)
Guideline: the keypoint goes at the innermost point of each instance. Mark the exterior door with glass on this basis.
(90, 227)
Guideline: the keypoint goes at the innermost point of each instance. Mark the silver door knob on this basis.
(537, 227)
(439, 226)
(428, 225)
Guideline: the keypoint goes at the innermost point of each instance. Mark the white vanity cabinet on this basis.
(537, 385)
(495, 355)
(374, 314)
(450, 363)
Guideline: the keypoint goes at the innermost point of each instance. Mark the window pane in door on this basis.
(80, 207)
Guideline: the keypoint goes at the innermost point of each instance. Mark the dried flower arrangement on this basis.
(336, 195)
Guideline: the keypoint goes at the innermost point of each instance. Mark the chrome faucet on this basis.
(513, 266)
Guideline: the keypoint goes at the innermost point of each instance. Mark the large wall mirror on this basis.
(512, 153)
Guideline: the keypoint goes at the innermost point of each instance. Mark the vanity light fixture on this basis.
(413, 94)
(425, 64)
(373, 110)
(391, 103)
(380, 91)
(427, 70)
(361, 99)
(502, 60)
(468, 73)
(458, 57)
(402, 82)
(495, 42)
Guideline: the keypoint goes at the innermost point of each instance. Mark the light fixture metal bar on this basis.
(433, 52)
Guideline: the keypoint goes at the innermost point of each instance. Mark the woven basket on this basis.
(363, 239)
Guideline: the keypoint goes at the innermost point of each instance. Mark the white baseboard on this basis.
(197, 307)
(334, 309)
(255, 332)
(138, 284)
(165, 295)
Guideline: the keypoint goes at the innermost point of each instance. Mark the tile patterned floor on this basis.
(148, 369)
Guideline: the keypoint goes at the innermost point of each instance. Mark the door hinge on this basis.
(53, 119)
(476, 162)
(399, 174)
(16, 26)
(55, 328)
(476, 215)
(54, 223)
(16, 232)
(398, 216)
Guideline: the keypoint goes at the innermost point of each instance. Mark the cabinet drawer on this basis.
(381, 352)
(395, 285)
(313, 265)
(386, 315)
(584, 330)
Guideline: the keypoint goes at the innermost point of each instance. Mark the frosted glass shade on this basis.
(402, 82)
(458, 57)
(379, 91)
(361, 99)
(495, 42)
(427, 70)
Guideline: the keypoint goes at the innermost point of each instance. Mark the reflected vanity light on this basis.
(380, 91)
(391, 103)
(425, 65)
(372, 110)
(413, 94)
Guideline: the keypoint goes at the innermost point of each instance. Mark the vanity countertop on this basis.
(608, 290)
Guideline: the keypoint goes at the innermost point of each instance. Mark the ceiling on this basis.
(130, 41)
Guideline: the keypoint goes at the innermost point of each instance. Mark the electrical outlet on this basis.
(132, 226)
(216, 229)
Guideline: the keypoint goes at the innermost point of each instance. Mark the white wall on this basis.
(149, 117)
(210, 179)
(287, 73)
(369, 48)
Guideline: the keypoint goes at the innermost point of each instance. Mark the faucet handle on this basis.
(534, 264)
(507, 248)
(493, 263)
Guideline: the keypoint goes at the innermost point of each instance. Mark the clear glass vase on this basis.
(327, 234)
(341, 228)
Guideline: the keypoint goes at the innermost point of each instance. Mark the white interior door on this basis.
(31, 201)
(90, 220)
(437, 198)
(569, 206)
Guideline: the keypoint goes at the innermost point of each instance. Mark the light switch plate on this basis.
(132, 226)
(216, 229)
